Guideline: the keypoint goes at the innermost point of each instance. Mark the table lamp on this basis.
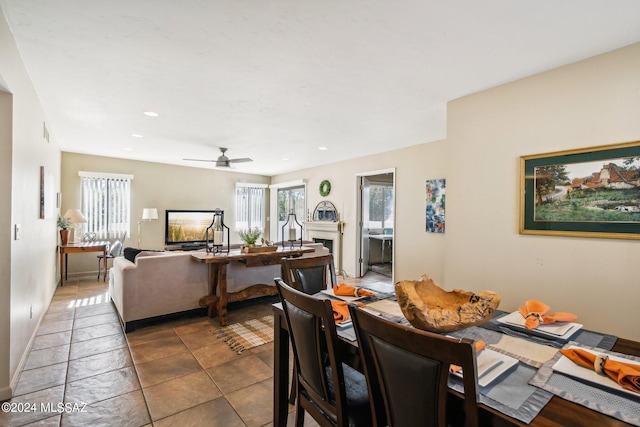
(76, 218)
(148, 214)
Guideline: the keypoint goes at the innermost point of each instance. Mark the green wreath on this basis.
(325, 188)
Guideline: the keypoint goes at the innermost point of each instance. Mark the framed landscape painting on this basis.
(591, 192)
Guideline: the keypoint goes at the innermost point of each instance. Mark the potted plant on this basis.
(250, 236)
(64, 224)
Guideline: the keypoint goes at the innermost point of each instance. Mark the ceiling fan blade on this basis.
(223, 161)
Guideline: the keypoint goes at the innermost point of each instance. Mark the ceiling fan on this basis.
(223, 161)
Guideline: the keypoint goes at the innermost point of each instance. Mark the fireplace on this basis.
(327, 243)
(329, 233)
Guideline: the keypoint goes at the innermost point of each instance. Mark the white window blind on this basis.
(250, 205)
(106, 203)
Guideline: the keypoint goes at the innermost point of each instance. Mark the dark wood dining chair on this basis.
(407, 371)
(333, 393)
(309, 275)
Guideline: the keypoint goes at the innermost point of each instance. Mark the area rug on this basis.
(248, 334)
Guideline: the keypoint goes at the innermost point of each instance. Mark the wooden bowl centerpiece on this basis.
(427, 306)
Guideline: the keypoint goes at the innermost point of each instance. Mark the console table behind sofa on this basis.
(219, 295)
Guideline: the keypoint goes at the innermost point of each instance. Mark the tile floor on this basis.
(84, 371)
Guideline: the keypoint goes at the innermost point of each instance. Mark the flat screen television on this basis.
(187, 228)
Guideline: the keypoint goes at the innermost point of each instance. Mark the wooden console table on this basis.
(218, 297)
(76, 248)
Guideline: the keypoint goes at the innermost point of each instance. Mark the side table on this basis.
(77, 248)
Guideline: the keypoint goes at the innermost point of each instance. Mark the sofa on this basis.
(162, 283)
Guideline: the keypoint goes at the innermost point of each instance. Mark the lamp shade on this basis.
(75, 216)
(149, 214)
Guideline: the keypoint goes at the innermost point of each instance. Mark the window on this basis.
(106, 203)
(290, 199)
(250, 205)
(380, 206)
(285, 197)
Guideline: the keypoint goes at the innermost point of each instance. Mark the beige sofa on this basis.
(162, 283)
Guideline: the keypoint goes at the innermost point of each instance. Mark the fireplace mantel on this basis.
(329, 226)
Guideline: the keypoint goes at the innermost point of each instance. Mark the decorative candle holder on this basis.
(290, 230)
(215, 233)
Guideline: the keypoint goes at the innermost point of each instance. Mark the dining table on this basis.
(552, 409)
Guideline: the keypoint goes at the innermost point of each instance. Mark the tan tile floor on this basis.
(173, 373)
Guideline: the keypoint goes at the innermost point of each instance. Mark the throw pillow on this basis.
(130, 253)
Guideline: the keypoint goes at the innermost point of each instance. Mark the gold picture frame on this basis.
(589, 192)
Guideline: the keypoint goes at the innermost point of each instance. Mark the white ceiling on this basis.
(280, 78)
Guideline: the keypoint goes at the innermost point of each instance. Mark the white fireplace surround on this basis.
(328, 230)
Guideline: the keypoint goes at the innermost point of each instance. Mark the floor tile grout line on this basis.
(222, 394)
(174, 329)
(132, 364)
(66, 377)
(135, 367)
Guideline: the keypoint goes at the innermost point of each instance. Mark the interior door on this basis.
(363, 225)
(376, 216)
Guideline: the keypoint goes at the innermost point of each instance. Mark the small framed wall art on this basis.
(436, 196)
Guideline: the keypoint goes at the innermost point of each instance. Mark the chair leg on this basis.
(294, 386)
(299, 415)
(99, 267)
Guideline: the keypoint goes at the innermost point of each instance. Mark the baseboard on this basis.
(6, 393)
(132, 325)
(25, 355)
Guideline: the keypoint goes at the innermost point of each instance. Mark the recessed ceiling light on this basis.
(136, 135)
(151, 114)
(127, 149)
(322, 148)
(286, 159)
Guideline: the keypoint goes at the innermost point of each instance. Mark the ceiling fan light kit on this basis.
(223, 161)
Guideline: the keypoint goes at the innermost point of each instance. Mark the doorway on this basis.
(376, 223)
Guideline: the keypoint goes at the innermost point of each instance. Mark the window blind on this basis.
(106, 203)
(250, 205)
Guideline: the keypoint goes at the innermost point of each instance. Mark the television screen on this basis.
(187, 226)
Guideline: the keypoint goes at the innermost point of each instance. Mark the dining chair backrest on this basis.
(320, 372)
(309, 275)
(407, 371)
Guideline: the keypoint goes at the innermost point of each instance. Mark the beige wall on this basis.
(154, 185)
(6, 109)
(589, 103)
(28, 273)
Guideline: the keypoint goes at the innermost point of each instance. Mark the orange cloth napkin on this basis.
(535, 313)
(345, 290)
(341, 310)
(480, 345)
(625, 374)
